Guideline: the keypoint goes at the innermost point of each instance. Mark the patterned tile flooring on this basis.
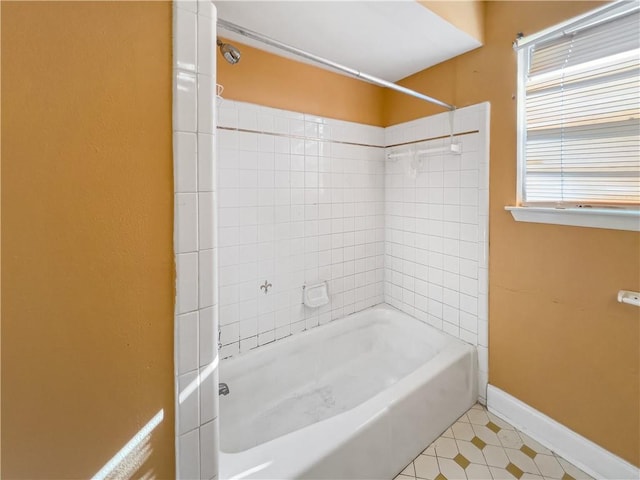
(480, 446)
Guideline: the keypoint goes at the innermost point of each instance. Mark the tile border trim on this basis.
(298, 137)
(342, 142)
(439, 137)
(573, 447)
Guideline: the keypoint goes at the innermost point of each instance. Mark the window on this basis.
(579, 116)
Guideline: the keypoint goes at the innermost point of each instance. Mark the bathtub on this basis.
(357, 398)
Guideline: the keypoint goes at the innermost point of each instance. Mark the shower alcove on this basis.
(378, 234)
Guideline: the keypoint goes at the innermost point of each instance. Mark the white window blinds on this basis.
(579, 115)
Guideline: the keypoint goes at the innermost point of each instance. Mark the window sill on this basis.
(579, 217)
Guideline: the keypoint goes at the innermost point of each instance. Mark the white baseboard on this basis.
(583, 453)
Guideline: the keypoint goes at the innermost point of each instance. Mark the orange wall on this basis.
(558, 339)
(87, 273)
(87, 221)
(278, 82)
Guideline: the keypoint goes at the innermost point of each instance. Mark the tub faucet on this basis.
(223, 389)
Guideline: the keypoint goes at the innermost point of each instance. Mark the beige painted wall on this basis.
(87, 222)
(558, 339)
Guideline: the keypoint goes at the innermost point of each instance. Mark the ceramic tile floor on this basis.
(480, 446)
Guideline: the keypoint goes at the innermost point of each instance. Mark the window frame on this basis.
(609, 217)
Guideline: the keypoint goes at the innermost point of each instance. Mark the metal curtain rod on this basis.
(232, 27)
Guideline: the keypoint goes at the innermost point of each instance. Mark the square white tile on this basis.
(187, 351)
(206, 285)
(185, 162)
(186, 218)
(209, 450)
(206, 104)
(189, 455)
(185, 43)
(187, 282)
(185, 110)
(189, 402)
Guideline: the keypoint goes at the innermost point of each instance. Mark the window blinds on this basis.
(581, 135)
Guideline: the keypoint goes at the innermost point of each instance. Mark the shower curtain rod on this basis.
(232, 27)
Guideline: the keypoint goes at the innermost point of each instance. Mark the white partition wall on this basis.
(196, 324)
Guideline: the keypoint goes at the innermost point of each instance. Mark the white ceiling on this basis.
(388, 39)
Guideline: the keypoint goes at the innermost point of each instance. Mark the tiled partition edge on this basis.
(300, 199)
(436, 226)
(196, 359)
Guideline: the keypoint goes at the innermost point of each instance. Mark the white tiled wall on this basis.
(436, 227)
(196, 306)
(303, 198)
(300, 199)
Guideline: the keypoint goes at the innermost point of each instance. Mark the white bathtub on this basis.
(357, 398)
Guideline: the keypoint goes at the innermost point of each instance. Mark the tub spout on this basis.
(223, 389)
